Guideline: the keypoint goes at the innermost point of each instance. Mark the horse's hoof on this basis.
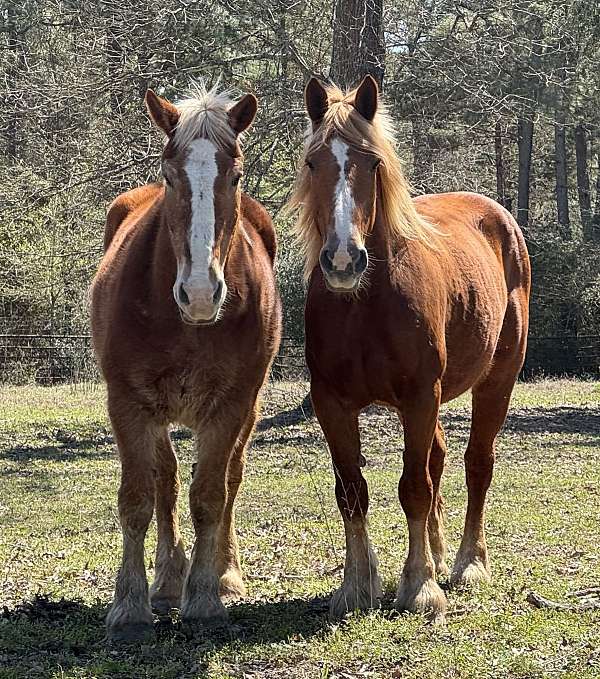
(348, 599)
(205, 612)
(231, 585)
(132, 633)
(470, 574)
(425, 597)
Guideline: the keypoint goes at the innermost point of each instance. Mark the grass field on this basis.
(60, 548)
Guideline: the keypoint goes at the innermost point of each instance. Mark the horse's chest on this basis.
(363, 361)
(186, 390)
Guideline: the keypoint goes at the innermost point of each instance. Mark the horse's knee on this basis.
(479, 465)
(351, 493)
(136, 503)
(207, 504)
(415, 491)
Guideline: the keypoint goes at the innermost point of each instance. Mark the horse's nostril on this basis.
(326, 260)
(218, 292)
(361, 261)
(183, 296)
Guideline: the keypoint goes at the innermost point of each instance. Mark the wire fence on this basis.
(55, 358)
(58, 358)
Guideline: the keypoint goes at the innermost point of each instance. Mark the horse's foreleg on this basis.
(418, 591)
(130, 617)
(361, 588)
(171, 562)
(208, 500)
(228, 561)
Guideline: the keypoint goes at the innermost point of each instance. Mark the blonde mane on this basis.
(377, 137)
(203, 113)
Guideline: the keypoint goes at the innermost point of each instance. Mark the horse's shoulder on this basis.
(254, 213)
(127, 204)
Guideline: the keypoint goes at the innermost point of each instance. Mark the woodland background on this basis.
(496, 96)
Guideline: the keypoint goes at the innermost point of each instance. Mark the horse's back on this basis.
(127, 206)
(463, 214)
(255, 214)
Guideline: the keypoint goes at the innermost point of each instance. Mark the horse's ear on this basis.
(242, 114)
(366, 98)
(162, 112)
(316, 100)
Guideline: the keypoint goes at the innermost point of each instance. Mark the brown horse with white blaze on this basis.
(186, 320)
(410, 304)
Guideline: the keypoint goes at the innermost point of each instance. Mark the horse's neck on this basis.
(382, 242)
(163, 266)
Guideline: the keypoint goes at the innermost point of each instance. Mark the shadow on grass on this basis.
(66, 446)
(298, 439)
(43, 634)
(63, 446)
(297, 415)
(555, 420)
(552, 420)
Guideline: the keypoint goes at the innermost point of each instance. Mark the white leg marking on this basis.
(361, 588)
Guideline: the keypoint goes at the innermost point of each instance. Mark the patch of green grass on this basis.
(61, 541)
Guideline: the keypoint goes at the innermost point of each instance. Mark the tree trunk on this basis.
(525, 142)
(596, 217)
(13, 49)
(503, 199)
(562, 193)
(583, 182)
(358, 45)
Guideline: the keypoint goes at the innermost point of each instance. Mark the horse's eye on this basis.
(236, 180)
(168, 181)
(309, 165)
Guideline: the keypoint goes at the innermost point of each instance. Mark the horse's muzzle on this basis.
(201, 305)
(348, 278)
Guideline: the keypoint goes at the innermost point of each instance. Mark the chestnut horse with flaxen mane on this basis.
(186, 320)
(410, 304)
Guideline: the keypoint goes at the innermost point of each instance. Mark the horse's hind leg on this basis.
(361, 588)
(435, 521)
(491, 399)
(171, 562)
(490, 405)
(228, 561)
(130, 617)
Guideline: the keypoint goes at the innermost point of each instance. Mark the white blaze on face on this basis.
(201, 169)
(343, 208)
